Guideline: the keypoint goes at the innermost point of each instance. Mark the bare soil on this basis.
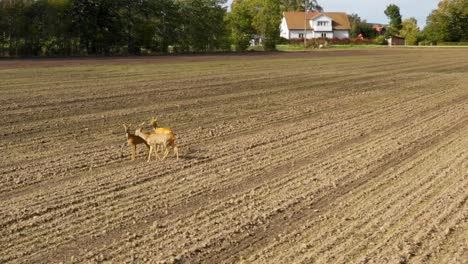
(356, 156)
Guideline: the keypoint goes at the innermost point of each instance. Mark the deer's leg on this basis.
(156, 152)
(165, 152)
(176, 152)
(133, 147)
(122, 147)
(148, 147)
(149, 154)
(156, 149)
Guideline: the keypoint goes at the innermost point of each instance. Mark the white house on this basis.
(318, 25)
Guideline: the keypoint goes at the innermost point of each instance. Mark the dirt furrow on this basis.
(278, 165)
(357, 182)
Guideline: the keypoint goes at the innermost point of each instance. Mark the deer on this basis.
(132, 141)
(159, 130)
(154, 140)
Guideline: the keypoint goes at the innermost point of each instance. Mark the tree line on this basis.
(113, 27)
(447, 23)
(107, 27)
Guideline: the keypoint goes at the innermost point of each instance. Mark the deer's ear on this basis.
(154, 121)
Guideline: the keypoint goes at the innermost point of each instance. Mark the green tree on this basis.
(355, 20)
(14, 25)
(44, 35)
(449, 22)
(3, 33)
(203, 24)
(240, 21)
(359, 26)
(84, 23)
(393, 13)
(267, 23)
(300, 5)
(410, 31)
(167, 18)
(105, 27)
(60, 37)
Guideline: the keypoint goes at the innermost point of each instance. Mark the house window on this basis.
(322, 23)
(301, 35)
(324, 35)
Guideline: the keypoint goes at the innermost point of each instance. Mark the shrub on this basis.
(315, 43)
(337, 41)
(298, 41)
(425, 43)
(380, 40)
(452, 43)
(283, 41)
(359, 41)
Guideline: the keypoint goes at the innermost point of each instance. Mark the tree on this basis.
(300, 5)
(203, 24)
(105, 27)
(359, 26)
(14, 25)
(84, 22)
(449, 22)
(267, 23)
(393, 13)
(240, 21)
(263, 15)
(59, 35)
(355, 20)
(162, 24)
(410, 31)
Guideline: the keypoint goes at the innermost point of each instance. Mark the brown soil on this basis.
(81, 61)
(356, 156)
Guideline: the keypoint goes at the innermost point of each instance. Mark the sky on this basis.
(373, 10)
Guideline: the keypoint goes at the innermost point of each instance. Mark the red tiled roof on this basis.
(378, 28)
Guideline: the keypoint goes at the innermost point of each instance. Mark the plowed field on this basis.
(322, 157)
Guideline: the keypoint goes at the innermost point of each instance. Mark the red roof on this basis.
(378, 28)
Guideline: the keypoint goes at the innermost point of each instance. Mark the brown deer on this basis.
(159, 130)
(154, 140)
(132, 141)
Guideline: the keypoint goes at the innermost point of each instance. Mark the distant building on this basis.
(379, 28)
(396, 41)
(317, 25)
(256, 40)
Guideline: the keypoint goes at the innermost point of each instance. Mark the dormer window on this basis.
(322, 23)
